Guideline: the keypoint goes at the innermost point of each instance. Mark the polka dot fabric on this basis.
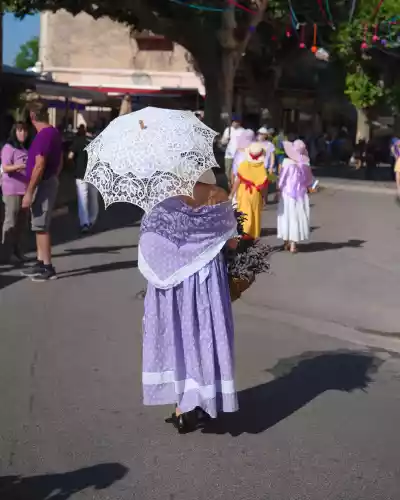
(188, 343)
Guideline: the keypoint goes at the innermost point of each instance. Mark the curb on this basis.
(349, 186)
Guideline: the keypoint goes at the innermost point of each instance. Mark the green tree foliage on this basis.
(372, 72)
(220, 42)
(28, 54)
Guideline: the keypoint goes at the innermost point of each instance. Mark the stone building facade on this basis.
(102, 54)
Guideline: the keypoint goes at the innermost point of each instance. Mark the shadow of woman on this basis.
(61, 486)
(298, 381)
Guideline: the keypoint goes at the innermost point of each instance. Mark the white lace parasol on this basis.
(150, 155)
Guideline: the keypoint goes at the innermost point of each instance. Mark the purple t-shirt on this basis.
(15, 183)
(47, 143)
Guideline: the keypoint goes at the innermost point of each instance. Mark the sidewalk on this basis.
(347, 178)
(377, 187)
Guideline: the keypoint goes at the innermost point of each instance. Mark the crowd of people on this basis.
(185, 249)
(266, 162)
(32, 159)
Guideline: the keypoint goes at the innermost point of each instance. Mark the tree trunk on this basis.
(1, 37)
(213, 104)
(363, 127)
(2, 100)
(228, 77)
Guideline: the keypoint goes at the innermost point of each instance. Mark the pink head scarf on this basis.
(245, 139)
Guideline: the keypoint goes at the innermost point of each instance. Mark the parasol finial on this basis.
(142, 125)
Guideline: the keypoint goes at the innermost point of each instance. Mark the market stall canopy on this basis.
(21, 74)
(55, 91)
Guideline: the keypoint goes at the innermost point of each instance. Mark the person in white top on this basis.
(229, 139)
(263, 136)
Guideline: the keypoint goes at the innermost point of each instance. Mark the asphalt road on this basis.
(318, 370)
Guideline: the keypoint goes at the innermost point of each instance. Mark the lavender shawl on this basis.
(294, 179)
(177, 241)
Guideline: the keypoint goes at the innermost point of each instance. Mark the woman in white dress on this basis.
(294, 205)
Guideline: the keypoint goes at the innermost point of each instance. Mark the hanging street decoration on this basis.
(206, 8)
(386, 33)
(293, 28)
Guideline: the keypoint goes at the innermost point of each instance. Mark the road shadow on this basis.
(7, 280)
(93, 250)
(61, 486)
(65, 227)
(298, 380)
(272, 231)
(322, 246)
(102, 268)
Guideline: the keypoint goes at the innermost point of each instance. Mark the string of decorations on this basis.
(206, 8)
(297, 28)
(387, 33)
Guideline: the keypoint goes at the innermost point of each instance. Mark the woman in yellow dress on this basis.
(250, 185)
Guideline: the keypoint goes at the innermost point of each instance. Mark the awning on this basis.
(55, 91)
(143, 91)
(10, 70)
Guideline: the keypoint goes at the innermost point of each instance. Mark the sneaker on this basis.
(85, 229)
(35, 270)
(48, 273)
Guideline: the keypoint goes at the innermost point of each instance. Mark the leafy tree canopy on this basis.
(218, 40)
(372, 67)
(28, 54)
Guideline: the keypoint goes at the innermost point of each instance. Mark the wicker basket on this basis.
(237, 286)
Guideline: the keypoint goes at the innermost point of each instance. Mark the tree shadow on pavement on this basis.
(7, 280)
(93, 250)
(272, 231)
(65, 228)
(61, 486)
(298, 381)
(322, 246)
(102, 268)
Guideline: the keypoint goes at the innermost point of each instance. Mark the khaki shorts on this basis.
(43, 205)
(228, 169)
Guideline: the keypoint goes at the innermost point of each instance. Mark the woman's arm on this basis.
(283, 176)
(397, 170)
(272, 162)
(235, 187)
(9, 169)
(309, 176)
(7, 160)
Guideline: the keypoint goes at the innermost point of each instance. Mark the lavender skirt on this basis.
(188, 343)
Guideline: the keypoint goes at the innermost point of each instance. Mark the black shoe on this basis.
(183, 423)
(48, 273)
(85, 229)
(35, 270)
(201, 416)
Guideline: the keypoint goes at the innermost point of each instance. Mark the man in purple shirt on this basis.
(42, 169)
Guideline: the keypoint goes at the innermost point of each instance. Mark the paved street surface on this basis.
(318, 369)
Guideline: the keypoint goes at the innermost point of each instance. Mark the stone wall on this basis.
(83, 42)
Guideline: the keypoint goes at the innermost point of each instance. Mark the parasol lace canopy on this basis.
(150, 155)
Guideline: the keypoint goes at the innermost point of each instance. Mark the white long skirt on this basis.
(294, 219)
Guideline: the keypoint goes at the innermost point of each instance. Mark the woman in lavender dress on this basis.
(188, 325)
(294, 205)
(14, 183)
